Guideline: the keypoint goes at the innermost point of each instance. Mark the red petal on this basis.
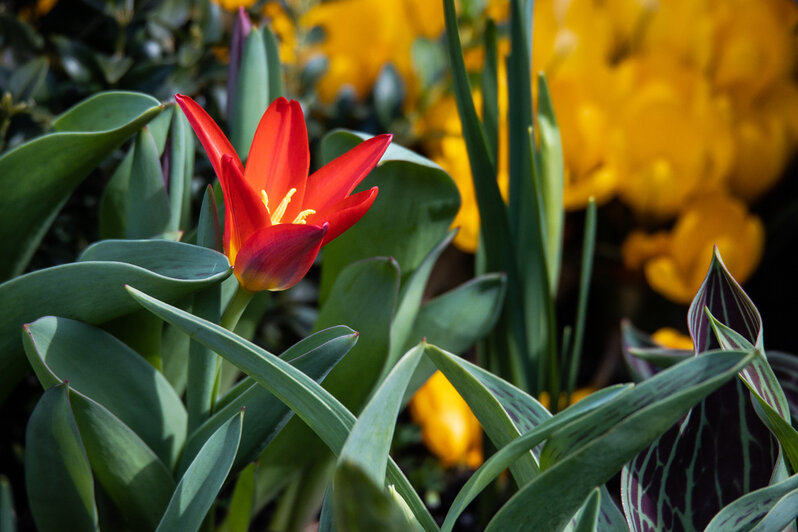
(279, 158)
(336, 180)
(345, 213)
(213, 140)
(278, 257)
(245, 213)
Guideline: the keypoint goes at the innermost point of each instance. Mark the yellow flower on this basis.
(233, 5)
(673, 139)
(679, 260)
(448, 427)
(360, 36)
(284, 29)
(577, 396)
(668, 337)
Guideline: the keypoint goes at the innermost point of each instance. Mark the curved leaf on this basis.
(38, 176)
(92, 290)
(752, 508)
(103, 368)
(57, 472)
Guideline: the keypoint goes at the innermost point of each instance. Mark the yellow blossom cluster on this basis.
(448, 427)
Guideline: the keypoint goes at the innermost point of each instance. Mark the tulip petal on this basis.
(336, 180)
(345, 213)
(279, 158)
(278, 257)
(213, 140)
(244, 213)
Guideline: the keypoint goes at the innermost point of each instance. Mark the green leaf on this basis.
(8, 515)
(592, 449)
(369, 442)
(415, 206)
(490, 90)
(516, 448)
(587, 519)
(315, 406)
(361, 505)
(274, 68)
(315, 356)
(92, 290)
(760, 509)
(460, 317)
(114, 199)
(57, 473)
(239, 514)
(181, 168)
(101, 367)
(138, 483)
(27, 79)
(203, 479)
(38, 176)
(252, 96)
(146, 203)
(409, 301)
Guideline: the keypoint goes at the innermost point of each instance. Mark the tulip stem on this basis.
(236, 308)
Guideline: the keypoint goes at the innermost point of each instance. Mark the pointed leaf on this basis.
(203, 479)
(758, 508)
(361, 505)
(252, 97)
(91, 290)
(57, 472)
(39, 176)
(146, 205)
(101, 367)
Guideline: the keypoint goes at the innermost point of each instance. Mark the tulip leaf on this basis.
(38, 176)
(181, 170)
(57, 472)
(591, 449)
(331, 420)
(508, 454)
(239, 514)
(91, 290)
(138, 483)
(644, 357)
(785, 367)
(751, 511)
(114, 198)
(274, 68)
(369, 442)
(587, 519)
(146, 203)
(203, 479)
(361, 505)
(252, 96)
(415, 206)
(27, 79)
(457, 319)
(8, 515)
(490, 90)
(266, 415)
(101, 367)
(363, 298)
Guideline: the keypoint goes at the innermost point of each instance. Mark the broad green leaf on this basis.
(518, 447)
(8, 515)
(146, 203)
(369, 442)
(92, 290)
(103, 368)
(38, 176)
(591, 449)
(252, 97)
(415, 206)
(57, 472)
(587, 520)
(239, 514)
(363, 298)
(751, 510)
(266, 415)
(203, 479)
(457, 319)
(361, 505)
(409, 301)
(315, 406)
(135, 479)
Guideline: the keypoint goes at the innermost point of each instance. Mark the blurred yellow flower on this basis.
(360, 36)
(668, 337)
(576, 396)
(677, 261)
(448, 427)
(284, 29)
(233, 5)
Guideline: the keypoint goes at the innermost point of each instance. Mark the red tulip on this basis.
(276, 217)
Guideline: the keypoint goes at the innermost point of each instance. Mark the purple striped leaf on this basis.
(643, 355)
(785, 366)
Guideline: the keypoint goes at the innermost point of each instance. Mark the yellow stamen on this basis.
(265, 200)
(300, 218)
